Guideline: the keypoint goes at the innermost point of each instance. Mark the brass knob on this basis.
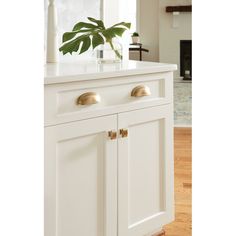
(88, 98)
(141, 91)
(112, 135)
(123, 133)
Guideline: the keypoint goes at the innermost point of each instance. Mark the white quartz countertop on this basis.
(88, 70)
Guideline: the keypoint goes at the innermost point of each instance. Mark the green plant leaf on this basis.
(69, 35)
(135, 34)
(86, 44)
(113, 32)
(82, 25)
(84, 34)
(97, 40)
(118, 31)
(72, 46)
(127, 25)
(98, 22)
(108, 34)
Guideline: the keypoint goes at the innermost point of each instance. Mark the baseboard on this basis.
(182, 126)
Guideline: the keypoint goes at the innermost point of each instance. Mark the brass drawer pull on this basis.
(88, 98)
(112, 135)
(141, 91)
(124, 133)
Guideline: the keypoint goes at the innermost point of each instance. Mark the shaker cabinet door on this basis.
(81, 178)
(145, 171)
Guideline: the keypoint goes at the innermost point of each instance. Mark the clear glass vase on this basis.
(110, 52)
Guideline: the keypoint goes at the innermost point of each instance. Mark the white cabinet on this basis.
(145, 176)
(108, 165)
(81, 178)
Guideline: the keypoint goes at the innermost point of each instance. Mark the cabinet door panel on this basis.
(145, 165)
(81, 179)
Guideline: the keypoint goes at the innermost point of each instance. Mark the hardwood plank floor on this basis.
(182, 226)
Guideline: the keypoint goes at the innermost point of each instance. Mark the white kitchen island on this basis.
(108, 148)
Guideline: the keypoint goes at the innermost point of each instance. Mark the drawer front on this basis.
(81, 100)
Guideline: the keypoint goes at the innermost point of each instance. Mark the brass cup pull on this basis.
(124, 133)
(112, 135)
(141, 91)
(88, 98)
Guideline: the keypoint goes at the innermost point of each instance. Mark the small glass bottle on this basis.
(110, 52)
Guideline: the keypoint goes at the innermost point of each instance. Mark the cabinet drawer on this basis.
(86, 99)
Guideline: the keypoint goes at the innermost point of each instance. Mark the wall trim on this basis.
(102, 10)
(138, 16)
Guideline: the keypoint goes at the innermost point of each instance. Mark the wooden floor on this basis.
(182, 226)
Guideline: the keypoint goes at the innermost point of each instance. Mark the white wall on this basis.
(157, 32)
(169, 37)
(148, 28)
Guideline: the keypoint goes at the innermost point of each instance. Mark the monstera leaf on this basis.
(92, 34)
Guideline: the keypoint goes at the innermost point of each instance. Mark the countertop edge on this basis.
(103, 75)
